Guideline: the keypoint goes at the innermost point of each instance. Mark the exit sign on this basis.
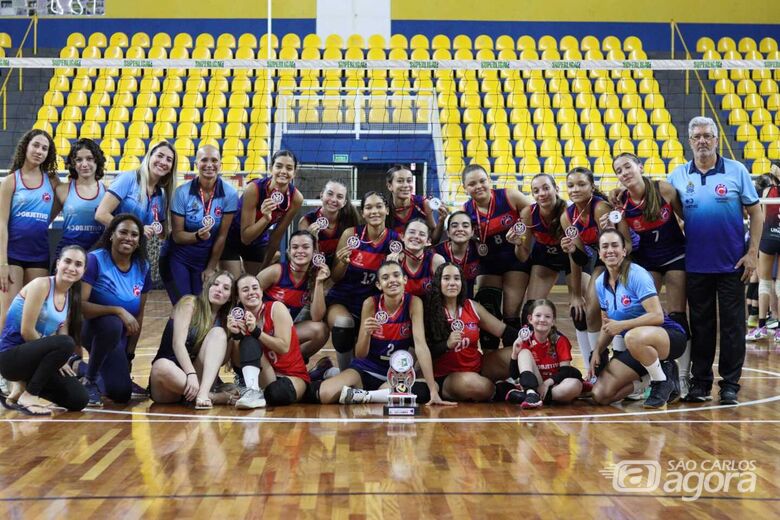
(340, 157)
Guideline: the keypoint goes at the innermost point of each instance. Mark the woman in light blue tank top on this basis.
(81, 197)
(26, 200)
(40, 334)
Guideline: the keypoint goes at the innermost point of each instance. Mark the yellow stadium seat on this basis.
(595, 130)
(773, 150)
(475, 131)
(724, 86)
(291, 40)
(554, 164)
(91, 52)
(76, 39)
(501, 147)
(187, 129)
(665, 131)
(760, 166)
(773, 102)
(111, 147)
(118, 39)
(170, 100)
(146, 99)
(585, 100)
(767, 45)
(653, 101)
(529, 165)
(550, 147)
(622, 145)
(746, 132)
(603, 165)
(71, 114)
(590, 115)
(753, 150)
(760, 116)
(726, 44)
(213, 115)
(211, 130)
(482, 41)
(738, 116)
(143, 114)
(635, 116)
(184, 146)
(731, 101)
(334, 41)
(598, 147)
(505, 165)
(163, 131)
(672, 148)
(66, 130)
(115, 129)
(746, 86)
(129, 162)
(618, 131)
(476, 146)
(570, 130)
(440, 41)
(539, 100)
(95, 113)
(255, 163)
(140, 39)
(233, 146)
(654, 165)
(769, 132)
(578, 161)
(134, 146)
(609, 101)
(675, 162)
(574, 147)
(646, 148)
(150, 84)
(659, 116)
(768, 87)
(167, 114)
(138, 129)
(642, 131)
(704, 44)
(205, 40)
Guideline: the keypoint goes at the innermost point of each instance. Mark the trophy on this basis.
(400, 375)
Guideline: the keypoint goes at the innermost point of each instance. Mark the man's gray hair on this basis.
(702, 121)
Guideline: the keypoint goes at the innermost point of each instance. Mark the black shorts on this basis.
(677, 343)
(498, 265)
(369, 381)
(769, 246)
(43, 264)
(674, 265)
(237, 250)
(551, 257)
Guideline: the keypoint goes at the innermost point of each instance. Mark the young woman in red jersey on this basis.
(338, 211)
(543, 361)
(300, 285)
(460, 249)
(452, 327)
(266, 349)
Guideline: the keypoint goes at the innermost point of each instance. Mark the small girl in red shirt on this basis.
(544, 360)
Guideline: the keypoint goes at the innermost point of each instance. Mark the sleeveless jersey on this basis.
(359, 279)
(491, 227)
(772, 216)
(415, 210)
(469, 263)
(548, 357)
(112, 286)
(541, 230)
(327, 239)
(293, 295)
(465, 357)
(28, 220)
(261, 185)
(419, 283)
(587, 226)
(49, 321)
(79, 225)
(290, 364)
(660, 241)
(394, 335)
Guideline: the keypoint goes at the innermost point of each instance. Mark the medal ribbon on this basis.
(491, 208)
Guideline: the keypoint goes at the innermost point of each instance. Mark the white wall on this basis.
(346, 17)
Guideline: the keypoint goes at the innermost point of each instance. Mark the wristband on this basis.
(191, 374)
(237, 336)
(256, 333)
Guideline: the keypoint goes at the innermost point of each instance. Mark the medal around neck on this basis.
(482, 249)
(208, 220)
(401, 401)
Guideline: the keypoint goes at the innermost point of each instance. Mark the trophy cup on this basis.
(400, 375)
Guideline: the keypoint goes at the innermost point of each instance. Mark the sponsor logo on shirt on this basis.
(136, 290)
(690, 188)
(46, 197)
(721, 190)
(625, 300)
(506, 220)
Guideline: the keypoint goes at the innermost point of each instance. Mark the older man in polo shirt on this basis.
(715, 192)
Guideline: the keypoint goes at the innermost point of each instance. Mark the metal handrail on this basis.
(4, 87)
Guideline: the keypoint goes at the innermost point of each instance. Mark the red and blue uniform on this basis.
(491, 228)
(327, 239)
(359, 279)
(548, 357)
(546, 250)
(291, 363)
(469, 264)
(770, 235)
(28, 221)
(465, 357)
(294, 295)
(415, 210)
(661, 241)
(79, 225)
(395, 334)
(418, 283)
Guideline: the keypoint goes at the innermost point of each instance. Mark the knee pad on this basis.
(281, 392)
(250, 351)
(777, 287)
(422, 392)
(752, 291)
(514, 370)
(312, 394)
(565, 373)
(343, 339)
(765, 287)
(580, 324)
(682, 319)
(528, 380)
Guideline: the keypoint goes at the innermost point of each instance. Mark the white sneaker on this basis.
(351, 395)
(5, 388)
(251, 399)
(684, 386)
(639, 394)
(756, 334)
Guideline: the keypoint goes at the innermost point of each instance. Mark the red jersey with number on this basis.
(290, 364)
(548, 357)
(465, 357)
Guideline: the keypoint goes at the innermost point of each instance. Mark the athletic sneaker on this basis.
(752, 321)
(777, 336)
(95, 400)
(515, 396)
(771, 323)
(640, 392)
(659, 394)
(251, 399)
(532, 400)
(137, 391)
(728, 396)
(351, 395)
(684, 387)
(697, 394)
(323, 365)
(756, 334)
(673, 374)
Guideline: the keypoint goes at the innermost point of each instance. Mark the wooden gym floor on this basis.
(469, 461)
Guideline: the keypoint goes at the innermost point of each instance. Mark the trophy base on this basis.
(401, 411)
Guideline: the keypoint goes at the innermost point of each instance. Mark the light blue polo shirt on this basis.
(713, 205)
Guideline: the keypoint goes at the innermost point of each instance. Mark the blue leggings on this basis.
(180, 279)
(106, 340)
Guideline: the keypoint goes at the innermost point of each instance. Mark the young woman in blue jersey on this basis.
(26, 202)
(650, 209)
(145, 192)
(300, 285)
(365, 380)
(631, 308)
(265, 211)
(587, 214)
(460, 249)
(542, 221)
(337, 208)
(202, 212)
(405, 206)
(113, 298)
(80, 198)
(194, 346)
(40, 335)
(493, 212)
(354, 272)
(419, 261)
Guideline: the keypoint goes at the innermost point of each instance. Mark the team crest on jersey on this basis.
(721, 190)
(406, 330)
(427, 286)
(136, 290)
(690, 188)
(506, 220)
(473, 270)
(665, 213)
(46, 197)
(625, 300)
(217, 211)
